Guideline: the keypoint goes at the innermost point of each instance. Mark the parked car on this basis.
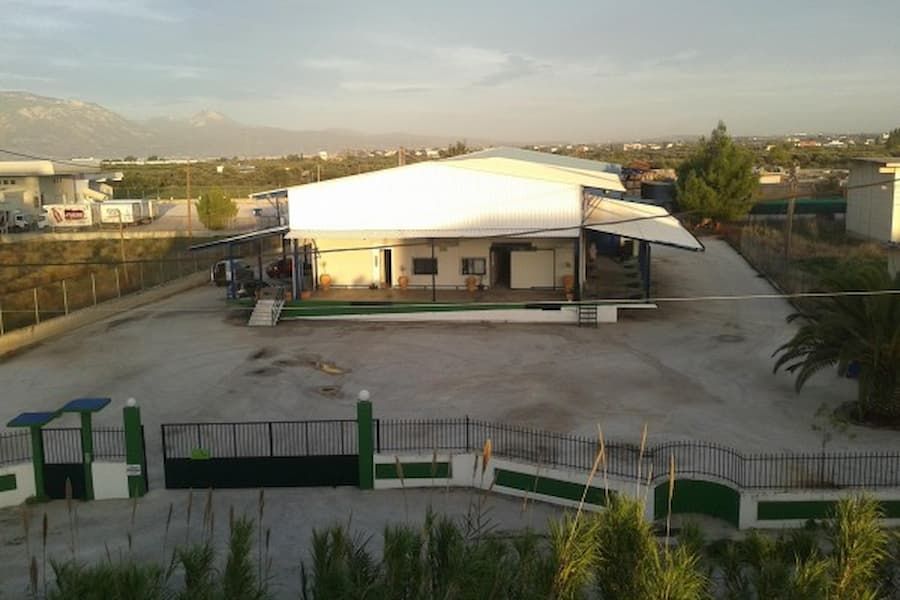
(280, 269)
(221, 273)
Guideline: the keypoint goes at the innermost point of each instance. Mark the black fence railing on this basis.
(828, 470)
(63, 445)
(15, 447)
(332, 437)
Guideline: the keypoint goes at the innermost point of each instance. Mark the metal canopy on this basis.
(32, 419)
(645, 222)
(250, 236)
(83, 405)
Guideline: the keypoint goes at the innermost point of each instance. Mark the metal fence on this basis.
(15, 447)
(825, 470)
(31, 306)
(63, 445)
(261, 439)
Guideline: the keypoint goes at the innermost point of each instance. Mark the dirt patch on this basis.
(261, 353)
(264, 371)
(331, 391)
(126, 320)
(729, 338)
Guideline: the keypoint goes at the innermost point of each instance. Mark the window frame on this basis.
(433, 270)
(465, 271)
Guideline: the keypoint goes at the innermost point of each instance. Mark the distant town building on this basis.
(873, 199)
(323, 154)
(30, 184)
(632, 146)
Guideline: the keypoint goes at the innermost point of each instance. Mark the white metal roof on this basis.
(494, 193)
(639, 221)
(33, 168)
(433, 199)
(543, 158)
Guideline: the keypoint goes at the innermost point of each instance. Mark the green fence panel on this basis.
(698, 497)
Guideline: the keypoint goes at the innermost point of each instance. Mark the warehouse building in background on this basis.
(30, 184)
(503, 218)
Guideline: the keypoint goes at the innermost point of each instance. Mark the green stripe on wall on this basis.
(550, 487)
(413, 470)
(698, 497)
(7, 482)
(812, 509)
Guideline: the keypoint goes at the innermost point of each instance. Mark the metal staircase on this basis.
(266, 313)
(587, 315)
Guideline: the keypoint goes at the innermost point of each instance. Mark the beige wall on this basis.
(360, 268)
(873, 211)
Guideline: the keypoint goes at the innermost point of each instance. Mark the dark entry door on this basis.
(500, 267)
(63, 463)
(386, 261)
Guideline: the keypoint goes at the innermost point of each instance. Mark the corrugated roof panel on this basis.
(541, 171)
(434, 197)
(641, 222)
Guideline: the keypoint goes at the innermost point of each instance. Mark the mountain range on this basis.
(61, 128)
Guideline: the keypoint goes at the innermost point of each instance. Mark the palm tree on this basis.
(846, 330)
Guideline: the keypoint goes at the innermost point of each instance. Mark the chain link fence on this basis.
(104, 282)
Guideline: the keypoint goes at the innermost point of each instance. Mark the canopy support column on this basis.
(433, 274)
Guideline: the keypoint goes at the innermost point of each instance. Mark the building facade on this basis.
(873, 199)
(29, 185)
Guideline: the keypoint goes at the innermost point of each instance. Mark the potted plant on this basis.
(403, 280)
(568, 281)
(324, 278)
(471, 283)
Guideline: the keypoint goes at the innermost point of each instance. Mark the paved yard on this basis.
(699, 370)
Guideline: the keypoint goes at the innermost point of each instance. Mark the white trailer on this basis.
(72, 215)
(126, 212)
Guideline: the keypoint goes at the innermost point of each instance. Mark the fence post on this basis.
(94, 288)
(365, 444)
(37, 312)
(1, 319)
(118, 286)
(141, 271)
(134, 449)
(87, 454)
(467, 433)
(162, 274)
(65, 297)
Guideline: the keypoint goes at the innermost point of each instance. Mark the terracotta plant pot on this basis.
(305, 294)
(568, 282)
(403, 282)
(471, 283)
(325, 281)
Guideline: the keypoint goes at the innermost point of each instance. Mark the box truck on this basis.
(126, 212)
(72, 215)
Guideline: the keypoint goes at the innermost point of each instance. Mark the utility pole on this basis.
(401, 157)
(318, 172)
(789, 225)
(188, 194)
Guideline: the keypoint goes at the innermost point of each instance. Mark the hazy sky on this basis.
(589, 70)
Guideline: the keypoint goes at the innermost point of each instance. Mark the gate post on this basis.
(365, 446)
(134, 449)
(87, 454)
(37, 461)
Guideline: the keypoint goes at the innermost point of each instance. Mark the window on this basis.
(474, 266)
(425, 266)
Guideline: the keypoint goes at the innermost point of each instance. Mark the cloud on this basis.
(514, 67)
(130, 9)
(331, 63)
(387, 87)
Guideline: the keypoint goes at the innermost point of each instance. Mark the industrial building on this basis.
(501, 218)
(30, 184)
(873, 199)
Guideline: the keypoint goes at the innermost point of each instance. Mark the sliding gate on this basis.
(261, 454)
